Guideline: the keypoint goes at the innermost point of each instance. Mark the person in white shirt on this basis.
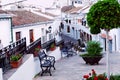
(1, 46)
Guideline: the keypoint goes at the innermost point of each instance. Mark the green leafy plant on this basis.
(94, 76)
(105, 14)
(37, 49)
(15, 57)
(93, 49)
(52, 45)
(115, 77)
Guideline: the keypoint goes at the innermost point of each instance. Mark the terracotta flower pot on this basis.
(52, 49)
(16, 64)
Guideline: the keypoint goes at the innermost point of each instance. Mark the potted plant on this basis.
(52, 47)
(37, 49)
(93, 54)
(94, 76)
(16, 60)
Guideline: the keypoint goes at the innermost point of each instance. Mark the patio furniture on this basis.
(46, 62)
(67, 50)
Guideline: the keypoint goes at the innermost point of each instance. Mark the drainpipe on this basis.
(11, 27)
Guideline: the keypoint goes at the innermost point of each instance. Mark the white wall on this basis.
(56, 53)
(5, 31)
(26, 71)
(1, 74)
(115, 42)
(25, 32)
(30, 67)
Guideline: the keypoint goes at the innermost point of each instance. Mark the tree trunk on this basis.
(107, 55)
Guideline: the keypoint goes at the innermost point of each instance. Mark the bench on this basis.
(46, 62)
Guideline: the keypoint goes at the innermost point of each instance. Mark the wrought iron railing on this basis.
(30, 48)
(18, 47)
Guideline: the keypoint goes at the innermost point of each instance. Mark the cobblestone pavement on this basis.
(73, 68)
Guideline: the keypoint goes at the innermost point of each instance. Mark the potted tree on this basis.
(16, 60)
(105, 14)
(93, 54)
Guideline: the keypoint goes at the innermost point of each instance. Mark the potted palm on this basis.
(16, 60)
(93, 54)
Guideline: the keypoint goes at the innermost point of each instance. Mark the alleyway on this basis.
(73, 68)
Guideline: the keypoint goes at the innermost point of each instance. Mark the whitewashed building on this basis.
(6, 28)
(27, 24)
(75, 25)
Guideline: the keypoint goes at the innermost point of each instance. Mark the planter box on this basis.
(52, 49)
(16, 64)
(92, 60)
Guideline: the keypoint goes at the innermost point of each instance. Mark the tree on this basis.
(105, 14)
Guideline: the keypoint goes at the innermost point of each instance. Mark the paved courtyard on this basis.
(73, 68)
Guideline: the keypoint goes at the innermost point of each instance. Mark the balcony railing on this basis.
(30, 49)
(18, 47)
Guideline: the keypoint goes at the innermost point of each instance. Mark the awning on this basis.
(103, 35)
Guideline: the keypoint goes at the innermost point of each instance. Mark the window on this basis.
(42, 31)
(18, 35)
(66, 20)
(70, 21)
(50, 36)
(31, 35)
(79, 20)
(79, 2)
(44, 39)
(68, 29)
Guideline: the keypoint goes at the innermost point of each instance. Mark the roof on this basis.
(22, 17)
(46, 13)
(66, 8)
(74, 10)
(71, 9)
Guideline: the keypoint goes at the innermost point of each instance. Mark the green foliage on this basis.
(52, 45)
(94, 76)
(15, 57)
(93, 49)
(105, 14)
(37, 49)
(115, 77)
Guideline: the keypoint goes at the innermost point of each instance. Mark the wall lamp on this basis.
(49, 30)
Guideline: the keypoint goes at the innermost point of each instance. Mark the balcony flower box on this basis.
(15, 61)
(52, 47)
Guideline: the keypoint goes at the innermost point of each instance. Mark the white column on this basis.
(1, 74)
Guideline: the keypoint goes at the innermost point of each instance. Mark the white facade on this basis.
(5, 30)
(37, 30)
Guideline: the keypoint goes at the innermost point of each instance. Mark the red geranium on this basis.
(86, 76)
(94, 76)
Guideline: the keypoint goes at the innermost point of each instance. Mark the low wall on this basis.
(25, 72)
(1, 75)
(29, 68)
(56, 53)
